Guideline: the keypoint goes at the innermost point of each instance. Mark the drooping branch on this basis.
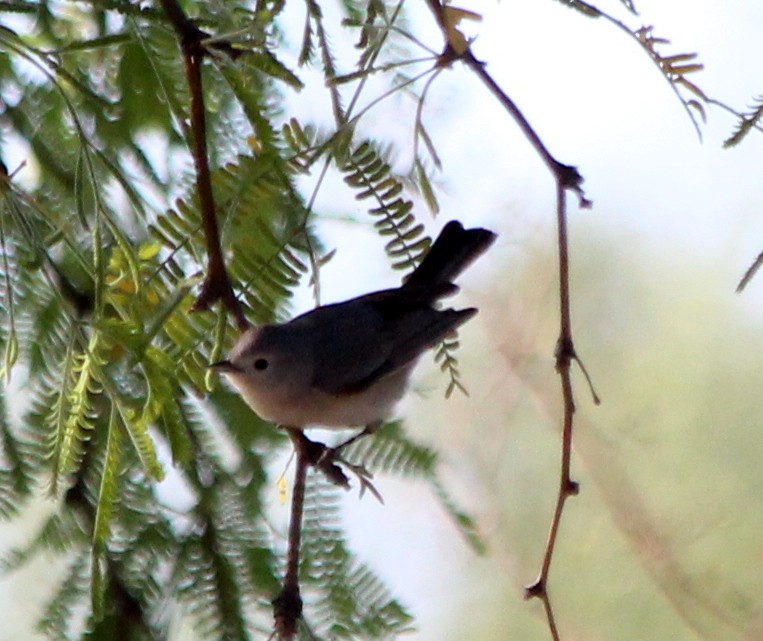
(566, 178)
(565, 355)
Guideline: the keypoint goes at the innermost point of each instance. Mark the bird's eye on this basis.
(261, 364)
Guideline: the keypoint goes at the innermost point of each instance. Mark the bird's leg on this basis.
(327, 463)
(327, 459)
(367, 431)
(319, 455)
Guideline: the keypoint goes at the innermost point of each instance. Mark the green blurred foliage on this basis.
(664, 540)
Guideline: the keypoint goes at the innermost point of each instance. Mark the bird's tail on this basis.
(453, 251)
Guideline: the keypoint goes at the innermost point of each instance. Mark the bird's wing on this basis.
(349, 343)
(378, 334)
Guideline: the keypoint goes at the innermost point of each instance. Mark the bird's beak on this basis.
(226, 367)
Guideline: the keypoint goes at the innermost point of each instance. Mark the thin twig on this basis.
(565, 355)
(216, 285)
(566, 177)
(287, 606)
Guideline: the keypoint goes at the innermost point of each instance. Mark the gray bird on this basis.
(347, 364)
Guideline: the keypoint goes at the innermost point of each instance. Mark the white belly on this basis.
(316, 407)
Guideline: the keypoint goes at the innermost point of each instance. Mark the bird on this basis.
(347, 364)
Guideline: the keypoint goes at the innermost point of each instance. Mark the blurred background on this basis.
(664, 540)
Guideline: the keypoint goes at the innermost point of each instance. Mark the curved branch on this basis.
(566, 177)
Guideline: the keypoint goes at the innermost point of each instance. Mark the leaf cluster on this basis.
(108, 396)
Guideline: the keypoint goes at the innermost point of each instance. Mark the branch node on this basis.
(217, 287)
(536, 590)
(325, 463)
(570, 487)
(564, 352)
(570, 178)
(448, 56)
(319, 456)
(287, 608)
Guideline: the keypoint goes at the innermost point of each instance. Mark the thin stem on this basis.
(419, 128)
(287, 606)
(566, 177)
(479, 69)
(291, 578)
(216, 285)
(653, 57)
(565, 329)
(372, 59)
(565, 354)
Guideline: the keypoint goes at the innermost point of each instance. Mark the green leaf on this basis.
(108, 490)
(73, 411)
(98, 582)
(137, 426)
(367, 172)
(162, 404)
(267, 62)
(425, 187)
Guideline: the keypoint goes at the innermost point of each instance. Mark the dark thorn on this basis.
(535, 590)
(571, 488)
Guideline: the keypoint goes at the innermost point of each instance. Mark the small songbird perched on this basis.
(347, 364)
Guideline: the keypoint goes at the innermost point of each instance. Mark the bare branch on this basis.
(216, 285)
(565, 355)
(287, 606)
(566, 177)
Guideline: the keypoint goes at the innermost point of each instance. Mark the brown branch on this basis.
(216, 285)
(566, 177)
(287, 606)
(565, 355)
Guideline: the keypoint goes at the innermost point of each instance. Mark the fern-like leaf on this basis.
(58, 617)
(676, 68)
(749, 121)
(370, 175)
(349, 600)
(205, 583)
(107, 492)
(60, 533)
(72, 413)
(137, 426)
(391, 451)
